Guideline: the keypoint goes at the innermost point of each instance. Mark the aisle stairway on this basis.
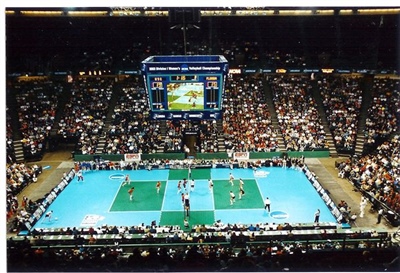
(163, 132)
(366, 102)
(19, 151)
(270, 103)
(109, 119)
(220, 137)
(321, 111)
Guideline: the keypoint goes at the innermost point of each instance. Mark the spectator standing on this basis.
(48, 215)
(363, 204)
(80, 175)
(267, 204)
(316, 216)
(380, 214)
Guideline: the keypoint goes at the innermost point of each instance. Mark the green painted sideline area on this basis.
(206, 156)
(221, 199)
(145, 197)
(195, 217)
(179, 174)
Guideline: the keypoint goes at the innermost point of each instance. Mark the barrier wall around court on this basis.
(308, 154)
(206, 156)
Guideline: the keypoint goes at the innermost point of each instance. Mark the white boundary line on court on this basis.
(190, 210)
(212, 195)
(165, 194)
(240, 209)
(259, 190)
(115, 197)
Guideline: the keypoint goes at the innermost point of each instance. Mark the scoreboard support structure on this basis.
(185, 87)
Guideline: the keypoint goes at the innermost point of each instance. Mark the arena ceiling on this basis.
(127, 11)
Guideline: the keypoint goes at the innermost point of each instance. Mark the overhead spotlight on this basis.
(196, 27)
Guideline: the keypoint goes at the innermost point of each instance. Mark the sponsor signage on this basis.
(241, 155)
(179, 115)
(235, 71)
(132, 157)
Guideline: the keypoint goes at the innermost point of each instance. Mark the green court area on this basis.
(185, 106)
(145, 197)
(195, 218)
(179, 174)
(252, 198)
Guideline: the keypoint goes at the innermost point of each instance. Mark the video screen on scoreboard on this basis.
(185, 96)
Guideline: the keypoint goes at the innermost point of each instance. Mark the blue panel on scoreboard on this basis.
(185, 87)
(186, 59)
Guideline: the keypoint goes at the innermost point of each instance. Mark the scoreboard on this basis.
(185, 87)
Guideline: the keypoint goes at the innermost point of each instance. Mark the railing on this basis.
(208, 156)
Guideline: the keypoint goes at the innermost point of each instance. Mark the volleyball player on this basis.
(158, 186)
(231, 178)
(130, 192)
(210, 184)
(232, 197)
(127, 180)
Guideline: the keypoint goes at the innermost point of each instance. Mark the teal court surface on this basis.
(102, 199)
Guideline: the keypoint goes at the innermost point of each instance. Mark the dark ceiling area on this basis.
(343, 37)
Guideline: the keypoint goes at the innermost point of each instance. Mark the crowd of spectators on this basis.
(377, 174)
(297, 114)
(205, 131)
(10, 151)
(342, 99)
(83, 117)
(173, 141)
(384, 112)
(247, 123)
(18, 177)
(275, 255)
(131, 130)
(37, 102)
(208, 136)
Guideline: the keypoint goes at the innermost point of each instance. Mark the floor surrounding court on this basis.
(102, 199)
